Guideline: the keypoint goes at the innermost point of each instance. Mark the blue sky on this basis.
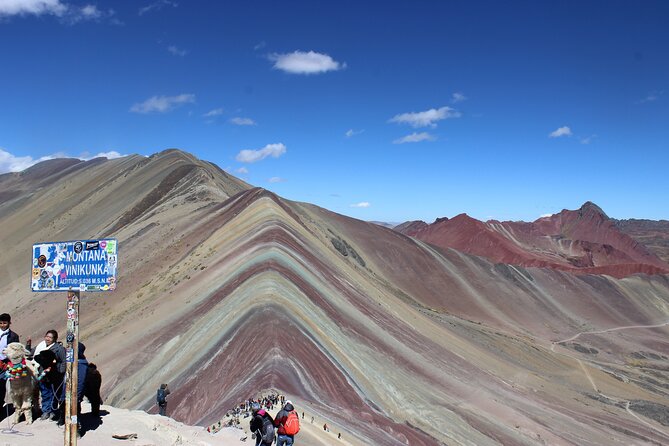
(384, 111)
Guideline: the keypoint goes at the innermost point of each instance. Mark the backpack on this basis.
(160, 397)
(267, 433)
(292, 424)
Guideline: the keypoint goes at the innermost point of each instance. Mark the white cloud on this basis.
(277, 180)
(242, 170)
(562, 131)
(242, 121)
(157, 6)
(214, 112)
(425, 118)
(12, 163)
(415, 137)
(34, 7)
(173, 49)
(300, 62)
(588, 139)
(88, 12)
(362, 204)
(651, 97)
(545, 215)
(68, 13)
(252, 156)
(260, 46)
(162, 104)
(91, 12)
(112, 154)
(350, 132)
(458, 97)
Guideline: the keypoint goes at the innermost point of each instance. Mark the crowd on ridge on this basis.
(258, 409)
(49, 359)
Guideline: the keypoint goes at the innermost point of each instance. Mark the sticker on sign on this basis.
(84, 265)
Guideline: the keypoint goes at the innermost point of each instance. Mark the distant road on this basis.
(592, 381)
(607, 331)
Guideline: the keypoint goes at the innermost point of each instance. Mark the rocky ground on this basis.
(150, 430)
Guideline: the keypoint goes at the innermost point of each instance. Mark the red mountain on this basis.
(652, 234)
(585, 240)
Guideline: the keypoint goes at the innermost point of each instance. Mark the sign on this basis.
(83, 265)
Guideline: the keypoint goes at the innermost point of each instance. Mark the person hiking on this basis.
(262, 425)
(82, 372)
(7, 336)
(288, 423)
(46, 388)
(161, 399)
(92, 388)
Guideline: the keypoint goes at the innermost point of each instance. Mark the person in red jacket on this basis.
(286, 430)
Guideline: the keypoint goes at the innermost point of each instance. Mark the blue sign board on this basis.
(83, 265)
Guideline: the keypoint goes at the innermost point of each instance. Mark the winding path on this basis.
(592, 382)
(608, 330)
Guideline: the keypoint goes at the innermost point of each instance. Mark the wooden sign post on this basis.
(74, 266)
(71, 368)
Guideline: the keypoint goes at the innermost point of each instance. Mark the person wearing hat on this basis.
(284, 437)
(7, 336)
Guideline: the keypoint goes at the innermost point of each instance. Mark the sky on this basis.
(384, 111)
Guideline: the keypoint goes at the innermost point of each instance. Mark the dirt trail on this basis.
(608, 330)
(592, 382)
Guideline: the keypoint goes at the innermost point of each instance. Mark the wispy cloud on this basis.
(242, 121)
(415, 137)
(362, 204)
(157, 6)
(300, 62)
(162, 104)
(276, 180)
(426, 118)
(112, 154)
(68, 13)
(350, 132)
(242, 170)
(33, 7)
(214, 112)
(260, 46)
(562, 131)
(176, 51)
(252, 156)
(12, 163)
(587, 139)
(458, 97)
(651, 97)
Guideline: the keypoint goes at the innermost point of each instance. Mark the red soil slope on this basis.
(584, 240)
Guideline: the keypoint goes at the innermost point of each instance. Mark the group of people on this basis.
(282, 431)
(286, 424)
(50, 356)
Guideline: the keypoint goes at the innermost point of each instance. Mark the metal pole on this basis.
(72, 366)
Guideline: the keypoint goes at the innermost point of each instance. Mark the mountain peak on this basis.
(591, 208)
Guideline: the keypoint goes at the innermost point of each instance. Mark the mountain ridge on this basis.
(582, 241)
(224, 294)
